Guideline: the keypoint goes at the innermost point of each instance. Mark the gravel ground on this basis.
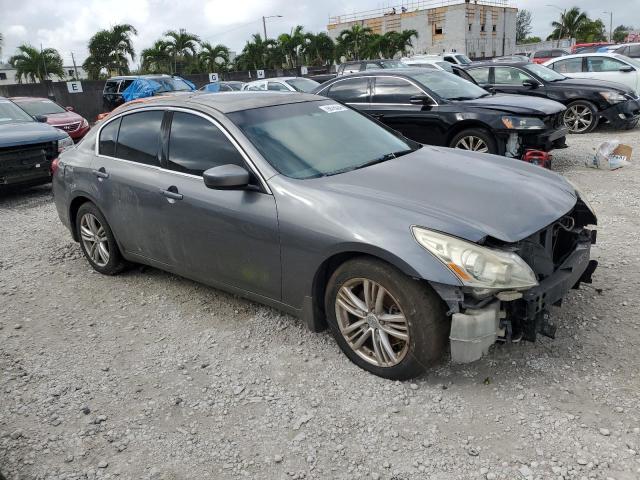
(150, 376)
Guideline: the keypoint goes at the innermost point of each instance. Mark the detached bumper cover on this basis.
(545, 140)
(623, 113)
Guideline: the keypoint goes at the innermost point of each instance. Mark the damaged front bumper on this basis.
(476, 324)
(623, 114)
(515, 144)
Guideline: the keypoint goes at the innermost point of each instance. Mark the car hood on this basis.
(24, 133)
(592, 84)
(63, 118)
(518, 104)
(464, 194)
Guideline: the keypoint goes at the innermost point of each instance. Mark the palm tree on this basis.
(291, 45)
(156, 59)
(318, 49)
(352, 42)
(569, 24)
(213, 57)
(110, 50)
(405, 40)
(183, 45)
(258, 54)
(36, 65)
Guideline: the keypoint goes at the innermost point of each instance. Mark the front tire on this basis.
(580, 117)
(385, 322)
(476, 140)
(97, 241)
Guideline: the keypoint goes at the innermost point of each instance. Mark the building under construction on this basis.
(479, 28)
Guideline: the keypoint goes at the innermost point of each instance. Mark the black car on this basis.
(587, 100)
(113, 88)
(363, 65)
(440, 108)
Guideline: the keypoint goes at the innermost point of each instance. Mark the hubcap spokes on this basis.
(94, 239)
(372, 322)
(578, 118)
(475, 144)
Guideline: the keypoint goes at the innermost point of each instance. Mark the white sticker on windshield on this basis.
(333, 108)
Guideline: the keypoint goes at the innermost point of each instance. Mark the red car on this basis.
(542, 56)
(63, 118)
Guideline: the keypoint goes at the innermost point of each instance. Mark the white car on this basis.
(629, 49)
(282, 84)
(599, 66)
(435, 62)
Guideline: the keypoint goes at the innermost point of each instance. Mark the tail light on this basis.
(538, 157)
(54, 166)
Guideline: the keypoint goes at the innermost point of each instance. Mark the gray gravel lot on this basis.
(150, 376)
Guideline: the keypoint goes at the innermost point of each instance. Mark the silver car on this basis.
(306, 205)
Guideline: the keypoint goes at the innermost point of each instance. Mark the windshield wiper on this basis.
(383, 158)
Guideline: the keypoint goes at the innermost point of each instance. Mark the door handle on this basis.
(172, 193)
(100, 173)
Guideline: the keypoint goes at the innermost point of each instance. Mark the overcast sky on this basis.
(68, 25)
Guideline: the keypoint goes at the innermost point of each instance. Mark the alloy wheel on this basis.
(578, 118)
(94, 239)
(472, 143)
(372, 323)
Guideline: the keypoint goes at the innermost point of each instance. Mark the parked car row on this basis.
(310, 206)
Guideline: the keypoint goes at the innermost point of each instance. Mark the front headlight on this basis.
(613, 97)
(64, 143)
(522, 123)
(477, 266)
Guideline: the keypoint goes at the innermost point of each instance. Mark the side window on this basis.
(111, 86)
(634, 51)
(542, 54)
(124, 84)
(394, 90)
(372, 66)
(351, 68)
(195, 145)
(480, 75)
(108, 138)
(570, 65)
(353, 90)
(509, 76)
(277, 86)
(139, 137)
(603, 64)
(557, 53)
(449, 59)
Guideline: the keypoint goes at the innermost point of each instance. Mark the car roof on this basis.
(28, 99)
(592, 54)
(401, 72)
(228, 102)
(489, 63)
(133, 77)
(273, 78)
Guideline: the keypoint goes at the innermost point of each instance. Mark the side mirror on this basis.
(421, 100)
(69, 109)
(529, 84)
(226, 177)
(627, 69)
(490, 89)
(40, 118)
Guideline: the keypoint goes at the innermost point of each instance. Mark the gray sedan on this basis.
(306, 205)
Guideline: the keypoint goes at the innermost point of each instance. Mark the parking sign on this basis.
(213, 77)
(260, 73)
(74, 87)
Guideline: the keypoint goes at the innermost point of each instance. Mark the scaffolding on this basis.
(409, 6)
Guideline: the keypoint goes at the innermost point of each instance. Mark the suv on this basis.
(542, 56)
(112, 93)
(28, 146)
(362, 65)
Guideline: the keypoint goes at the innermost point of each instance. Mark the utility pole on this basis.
(264, 23)
(75, 69)
(610, 25)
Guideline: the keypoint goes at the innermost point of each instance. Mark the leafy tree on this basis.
(318, 49)
(157, 59)
(35, 65)
(569, 24)
(523, 25)
(405, 40)
(353, 42)
(259, 54)
(110, 50)
(183, 47)
(291, 45)
(620, 33)
(592, 31)
(531, 40)
(213, 57)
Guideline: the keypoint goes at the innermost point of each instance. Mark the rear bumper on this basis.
(623, 113)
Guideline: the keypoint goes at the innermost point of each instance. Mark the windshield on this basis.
(171, 84)
(303, 84)
(393, 64)
(463, 59)
(11, 113)
(544, 73)
(449, 86)
(314, 139)
(632, 61)
(40, 107)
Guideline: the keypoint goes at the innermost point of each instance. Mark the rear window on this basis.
(302, 84)
(40, 107)
(542, 54)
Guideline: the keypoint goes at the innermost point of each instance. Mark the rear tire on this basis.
(97, 241)
(476, 140)
(393, 306)
(580, 117)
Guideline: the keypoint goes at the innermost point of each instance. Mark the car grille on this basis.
(69, 127)
(16, 161)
